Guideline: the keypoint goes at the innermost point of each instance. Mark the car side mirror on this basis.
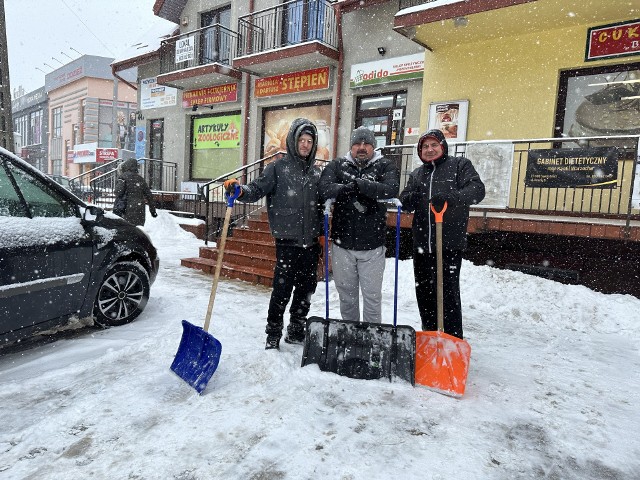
(92, 214)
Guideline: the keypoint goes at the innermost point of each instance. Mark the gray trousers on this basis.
(355, 270)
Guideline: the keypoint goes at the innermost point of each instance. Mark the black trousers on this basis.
(425, 273)
(296, 271)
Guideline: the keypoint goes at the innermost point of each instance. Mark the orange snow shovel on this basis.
(442, 360)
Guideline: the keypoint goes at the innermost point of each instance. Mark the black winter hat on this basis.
(363, 134)
(438, 135)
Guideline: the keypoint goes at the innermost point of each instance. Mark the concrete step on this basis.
(247, 274)
(232, 257)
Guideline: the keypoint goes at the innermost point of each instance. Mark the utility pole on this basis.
(6, 119)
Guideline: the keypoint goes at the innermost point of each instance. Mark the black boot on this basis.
(273, 342)
(295, 330)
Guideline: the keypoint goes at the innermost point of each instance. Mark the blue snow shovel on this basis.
(199, 352)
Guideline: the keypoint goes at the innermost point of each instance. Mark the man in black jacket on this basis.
(295, 218)
(440, 179)
(359, 225)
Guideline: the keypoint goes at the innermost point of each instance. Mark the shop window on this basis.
(215, 145)
(599, 101)
(56, 120)
(277, 121)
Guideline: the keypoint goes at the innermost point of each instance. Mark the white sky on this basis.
(38, 30)
(553, 391)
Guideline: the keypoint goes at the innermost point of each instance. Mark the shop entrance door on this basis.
(384, 115)
(154, 168)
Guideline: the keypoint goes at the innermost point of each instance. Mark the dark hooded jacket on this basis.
(452, 175)
(133, 191)
(290, 185)
(360, 221)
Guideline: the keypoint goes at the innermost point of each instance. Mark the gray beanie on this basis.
(363, 134)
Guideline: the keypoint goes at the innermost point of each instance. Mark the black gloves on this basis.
(438, 199)
(348, 190)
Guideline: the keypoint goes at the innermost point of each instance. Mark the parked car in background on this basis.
(62, 259)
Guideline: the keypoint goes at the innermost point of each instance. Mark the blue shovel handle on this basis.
(327, 209)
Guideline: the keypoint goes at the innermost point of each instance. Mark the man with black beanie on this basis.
(359, 225)
(442, 178)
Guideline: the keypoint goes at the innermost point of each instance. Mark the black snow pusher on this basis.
(361, 349)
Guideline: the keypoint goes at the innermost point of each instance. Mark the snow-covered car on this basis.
(62, 259)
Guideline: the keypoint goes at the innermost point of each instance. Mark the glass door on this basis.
(384, 115)
(214, 43)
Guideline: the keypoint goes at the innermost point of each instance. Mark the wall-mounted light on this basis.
(460, 22)
(185, 20)
(382, 50)
(194, 108)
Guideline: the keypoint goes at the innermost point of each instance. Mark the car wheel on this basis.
(122, 295)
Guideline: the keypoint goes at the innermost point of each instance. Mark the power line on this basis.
(86, 26)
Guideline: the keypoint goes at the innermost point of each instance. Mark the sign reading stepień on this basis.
(573, 168)
(315, 79)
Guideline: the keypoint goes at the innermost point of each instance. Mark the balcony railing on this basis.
(207, 45)
(290, 23)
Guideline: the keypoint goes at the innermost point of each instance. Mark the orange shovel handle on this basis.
(438, 214)
(439, 285)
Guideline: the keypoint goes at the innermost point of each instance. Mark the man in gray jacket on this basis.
(295, 218)
(359, 225)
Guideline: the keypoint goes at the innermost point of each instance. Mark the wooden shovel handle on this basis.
(439, 286)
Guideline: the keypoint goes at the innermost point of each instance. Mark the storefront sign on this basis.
(216, 132)
(573, 167)
(106, 154)
(316, 79)
(615, 40)
(211, 95)
(186, 49)
(85, 152)
(395, 69)
(153, 95)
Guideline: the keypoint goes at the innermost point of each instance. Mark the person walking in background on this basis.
(290, 185)
(131, 193)
(359, 225)
(442, 178)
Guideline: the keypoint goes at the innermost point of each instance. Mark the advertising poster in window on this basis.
(216, 132)
(141, 142)
(215, 145)
(450, 118)
(278, 122)
(602, 104)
